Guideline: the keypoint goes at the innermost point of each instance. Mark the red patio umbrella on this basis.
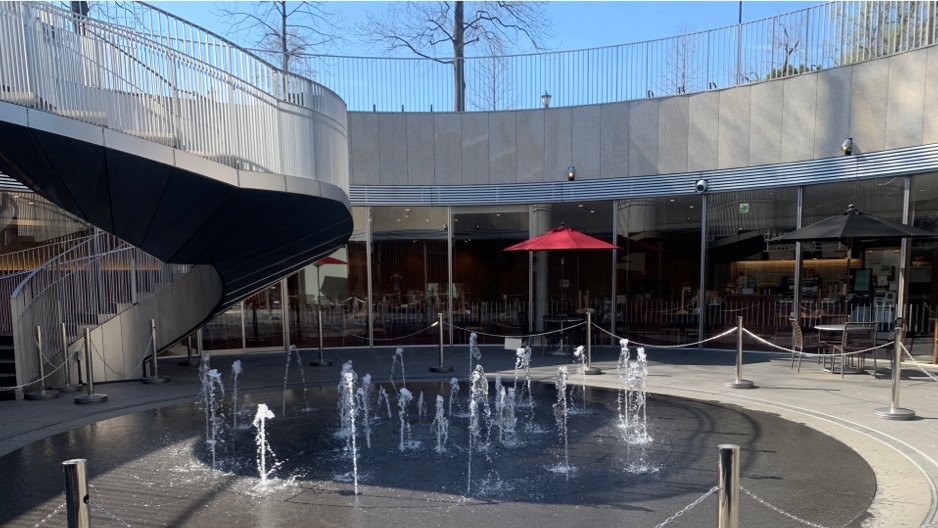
(561, 238)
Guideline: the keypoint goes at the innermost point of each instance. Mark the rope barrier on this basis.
(917, 364)
(36, 378)
(633, 342)
(525, 336)
(103, 510)
(779, 510)
(406, 336)
(811, 354)
(688, 507)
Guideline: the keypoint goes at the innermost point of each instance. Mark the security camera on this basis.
(700, 186)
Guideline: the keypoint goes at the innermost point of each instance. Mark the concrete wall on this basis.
(178, 309)
(882, 104)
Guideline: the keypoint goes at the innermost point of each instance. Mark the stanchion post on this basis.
(155, 376)
(90, 396)
(321, 362)
(739, 382)
(188, 361)
(68, 386)
(894, 412)
(728, 503)
(42, 393)
(441, 367)
(76, 493)
(590, 369)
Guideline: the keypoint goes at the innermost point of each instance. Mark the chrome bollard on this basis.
(89, 396)
(728, 503)
(42, 393)
(321, 362)
(441, 367)
(76, 493)
(154, 369)
(739, 382)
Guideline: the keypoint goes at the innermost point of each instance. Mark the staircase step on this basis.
(7, 366)
(6, 340)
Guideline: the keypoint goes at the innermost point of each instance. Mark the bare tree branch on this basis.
(442, 31)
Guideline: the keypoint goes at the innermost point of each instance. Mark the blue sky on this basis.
(577, 24)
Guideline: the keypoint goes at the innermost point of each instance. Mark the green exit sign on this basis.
(743, 208)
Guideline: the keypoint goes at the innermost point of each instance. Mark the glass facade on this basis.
(686, 267)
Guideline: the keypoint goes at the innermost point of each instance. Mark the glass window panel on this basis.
(829, 269)
(491, 285)
(747, 275)
(658, 268)
(409, 256)
(923, 289)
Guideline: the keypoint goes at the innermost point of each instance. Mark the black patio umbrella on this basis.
(853, 226)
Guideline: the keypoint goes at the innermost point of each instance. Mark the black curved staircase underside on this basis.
(251, 236)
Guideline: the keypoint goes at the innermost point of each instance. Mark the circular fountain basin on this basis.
(153, 468)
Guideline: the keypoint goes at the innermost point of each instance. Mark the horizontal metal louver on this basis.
(899, 162)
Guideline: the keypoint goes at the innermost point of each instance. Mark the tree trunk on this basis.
(459, 72)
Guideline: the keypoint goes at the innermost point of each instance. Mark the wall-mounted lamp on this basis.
(571, 173)
(545, 99)
(847, 146)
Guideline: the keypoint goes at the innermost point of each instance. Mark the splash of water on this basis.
(260, 440)
(478, 396)
(210, 381)
(421, 407)
(293, 353)
(506, 418)
(383, 395)
(523, 363)
(453, 394)
(345, 414)
(561, 413)
(622, 398)
(235, 374)
(348, 381)
(440, 425)
(637, 375)
(398, 358)
(404, 398)
(363, 402)
(474, 352)
(579, 355)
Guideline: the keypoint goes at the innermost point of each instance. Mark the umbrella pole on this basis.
(590, 370)
(321, 362)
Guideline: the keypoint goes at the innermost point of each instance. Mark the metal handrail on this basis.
(818, 37)
(248, 115)
(83, 287)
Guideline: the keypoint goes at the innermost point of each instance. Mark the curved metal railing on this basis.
(239, 111)
(819, 37)
(83, 287)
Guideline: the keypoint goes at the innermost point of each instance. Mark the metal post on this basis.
(188, 361)
(89, 396)
(155, 377)
(42, 393)
(321, 362)
(728, 503)
(441, 367)
(76, 493)
(68, 386)
(590, 369)
(739, 382)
